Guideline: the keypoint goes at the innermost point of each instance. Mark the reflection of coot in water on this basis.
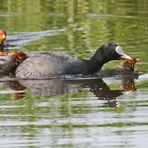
(59, 87)
(54, 87)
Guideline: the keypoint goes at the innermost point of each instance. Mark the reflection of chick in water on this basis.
(128, 83)
(20, 93)
(58, 87)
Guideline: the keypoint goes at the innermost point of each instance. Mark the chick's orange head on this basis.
(2, 35)
(19, 56)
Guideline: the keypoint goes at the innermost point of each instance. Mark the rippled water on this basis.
(105, 111)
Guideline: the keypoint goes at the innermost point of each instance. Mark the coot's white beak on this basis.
(125, 56)
(120, 52)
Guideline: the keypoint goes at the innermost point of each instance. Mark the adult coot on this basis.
(54, 64)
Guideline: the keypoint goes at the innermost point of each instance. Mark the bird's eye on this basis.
(114, 52)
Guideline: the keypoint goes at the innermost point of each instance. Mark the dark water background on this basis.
(101, 112)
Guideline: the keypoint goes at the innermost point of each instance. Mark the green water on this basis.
(76, 113)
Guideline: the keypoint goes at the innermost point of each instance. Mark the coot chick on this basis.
(55, 64)
(2, 39)
(9, 62)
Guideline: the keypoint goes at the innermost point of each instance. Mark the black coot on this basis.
(54, 64)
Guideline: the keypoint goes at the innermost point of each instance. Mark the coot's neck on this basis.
(97, 61)
(2, 46)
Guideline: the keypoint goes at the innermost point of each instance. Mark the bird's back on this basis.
(47, 64)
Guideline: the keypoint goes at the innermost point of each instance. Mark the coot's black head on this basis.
(104, 54)
(110, 51)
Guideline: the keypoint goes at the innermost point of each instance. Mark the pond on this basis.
(106, 111)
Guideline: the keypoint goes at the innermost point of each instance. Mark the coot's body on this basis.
(50, 64)
(53, 64)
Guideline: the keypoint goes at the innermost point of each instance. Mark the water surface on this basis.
(108, 111)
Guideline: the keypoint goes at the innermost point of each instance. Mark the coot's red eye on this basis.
(114, 52)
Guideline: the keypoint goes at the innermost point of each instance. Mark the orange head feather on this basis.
(19, 56)
(2, 35)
